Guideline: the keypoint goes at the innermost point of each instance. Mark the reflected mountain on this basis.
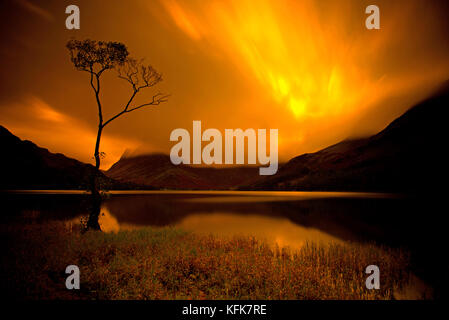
(391, 220)
(353, 219)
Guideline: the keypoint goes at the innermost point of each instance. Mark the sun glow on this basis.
(315, 59)
(307, 66)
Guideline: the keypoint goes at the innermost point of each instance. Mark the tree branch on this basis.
(139, 76)
(156, 100)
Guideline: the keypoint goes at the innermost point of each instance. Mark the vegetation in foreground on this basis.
(173, 264)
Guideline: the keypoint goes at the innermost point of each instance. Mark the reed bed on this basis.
(169, 263)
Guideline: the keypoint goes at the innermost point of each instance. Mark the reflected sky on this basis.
(274, 231)
(278, 231)
(283, 218)
(286, 218)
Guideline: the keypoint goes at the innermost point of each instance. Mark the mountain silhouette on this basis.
(24, 165)
(157, 171)
(407, 156)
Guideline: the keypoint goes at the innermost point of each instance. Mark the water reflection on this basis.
(344, 216)
(278, 231)
(335, 215)
(107, 222)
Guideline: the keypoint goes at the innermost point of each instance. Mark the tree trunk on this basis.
(94, 215)
(93, 222)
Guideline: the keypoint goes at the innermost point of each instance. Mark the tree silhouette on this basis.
(96, 57)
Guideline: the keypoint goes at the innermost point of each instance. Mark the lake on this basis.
(283, 218)
(280, 218)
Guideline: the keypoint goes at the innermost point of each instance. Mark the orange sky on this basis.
(308, 68)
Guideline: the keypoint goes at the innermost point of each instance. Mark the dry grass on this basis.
(172, 264)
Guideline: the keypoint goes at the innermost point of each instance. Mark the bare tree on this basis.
(96, 57)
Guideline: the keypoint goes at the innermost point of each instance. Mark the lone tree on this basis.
(96, 57)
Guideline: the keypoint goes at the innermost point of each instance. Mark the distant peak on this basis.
(126, 154)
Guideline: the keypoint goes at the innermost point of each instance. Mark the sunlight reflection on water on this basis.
(272, 230)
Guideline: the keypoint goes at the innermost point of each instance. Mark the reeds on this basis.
(172, 264)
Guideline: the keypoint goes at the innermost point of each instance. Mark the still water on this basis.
(266, 216)
(282, 218)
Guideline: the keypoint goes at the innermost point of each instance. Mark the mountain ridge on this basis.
(28, 166)
(157, 170)
(399, 158)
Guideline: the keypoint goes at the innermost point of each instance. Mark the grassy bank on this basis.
(172, 264)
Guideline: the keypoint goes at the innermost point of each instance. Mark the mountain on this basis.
(157, 171)
(24, 165)
(407, 156)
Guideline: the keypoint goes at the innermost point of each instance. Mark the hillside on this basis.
(24, 165)
(404, 157)
(157, 170)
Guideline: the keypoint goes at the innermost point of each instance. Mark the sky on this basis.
(308, 68)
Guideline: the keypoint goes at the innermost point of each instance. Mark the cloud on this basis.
(183, 19)
(35, 9)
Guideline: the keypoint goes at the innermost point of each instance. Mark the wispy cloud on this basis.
(35, 9)
(183, 19)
